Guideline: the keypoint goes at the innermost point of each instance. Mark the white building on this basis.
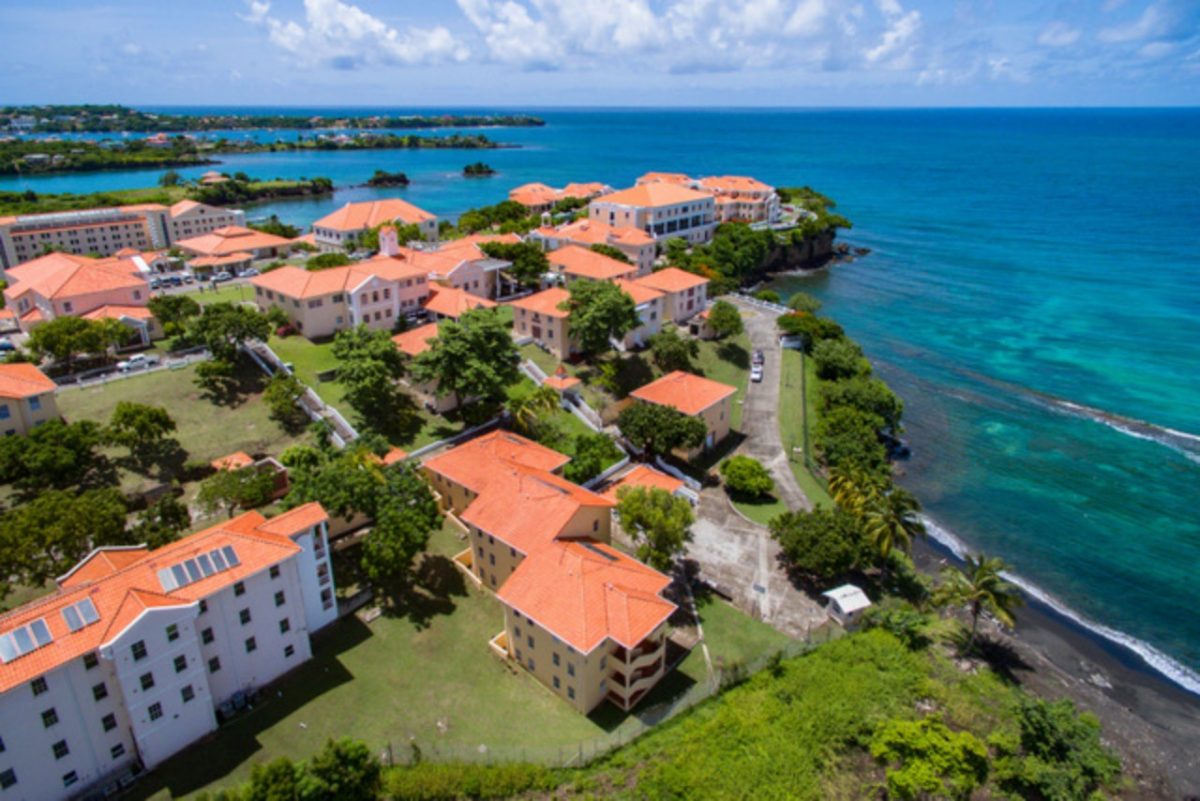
(136, 652)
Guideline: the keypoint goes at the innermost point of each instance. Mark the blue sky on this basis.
(537, 53)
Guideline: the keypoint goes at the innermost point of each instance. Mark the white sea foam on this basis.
(1156, 659)
(1139, 429)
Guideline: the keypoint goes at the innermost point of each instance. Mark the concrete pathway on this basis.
(760, 413)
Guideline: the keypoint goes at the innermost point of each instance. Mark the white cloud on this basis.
(1150, 23)
(344, 36)
(1058, 34)
(894, 46)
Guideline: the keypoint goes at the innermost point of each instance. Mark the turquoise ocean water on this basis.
(1033, 292)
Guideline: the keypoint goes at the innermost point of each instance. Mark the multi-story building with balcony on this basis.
(343, 227)
(738, 197)
(638, 246)
(138, 652)
(586, 620)
(661, 209)
(99, 232)
(188, 219)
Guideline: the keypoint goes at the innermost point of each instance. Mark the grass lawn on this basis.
(760, 510)
(205, 429)
(728, 361)
(426, 676)
(794, 408)
(229, 293)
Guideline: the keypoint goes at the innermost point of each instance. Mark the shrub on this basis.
(725, 319)
(768, 295)
(823, 545)
(812, 328)
(900, 619)
(804, 302)
(926, 759)
(846, 437)
(869, 395)
(839, 358)
(746, 476)
(426, 781)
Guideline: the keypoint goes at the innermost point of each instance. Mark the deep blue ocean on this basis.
(1033, 292)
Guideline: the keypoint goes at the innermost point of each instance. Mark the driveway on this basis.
(760, 413)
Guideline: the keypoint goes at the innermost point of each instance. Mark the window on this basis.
(603, 662)
(109, 722)
(214, 665)
(172, 633)
(285, 626)
(556, 683)
(67, 307)
(555, 659)
(4, 412)
(180, 663)
(274, 571)
(147, 680)
(570, 668)
(35, 404)
(90, 661)
(517, 632)
(100, 691)
(155, 711)
(244, 616)
(289, 650)
(239, 588)
(529, 640)
(206, 636)
(117, 751)
(49, 717)
(7, 779)
(596, 525)
(251, 645)
(187, 693)
(279, 598)
(2, 749)
(203, 606)
(492, 559)
(570, 692)
(70, 778)
(61, 749)
(138, 649)
(39, 685)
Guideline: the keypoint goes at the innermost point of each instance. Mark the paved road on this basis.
(760, 413)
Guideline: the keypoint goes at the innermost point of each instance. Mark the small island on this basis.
(385, 178)
(478, 170)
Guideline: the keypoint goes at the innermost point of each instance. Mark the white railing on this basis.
(670, 469)
(596, 481)
(750, 300)
(341, 432)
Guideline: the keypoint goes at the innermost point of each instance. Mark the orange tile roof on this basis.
(416, 341)
(467, 247)
(296, 282)
(652, 195)
(672, 279)
(664, 177)
(640, 293)
(394, 456)
(122, 583)
(231, 239)
(734, 183)
(561, 380)
(371, 213)
(183, 207)
(61, 275)
(34, 316)
(453, 303)
(644, 476)
(546, 302)
(307, 239)
(585, 190)
(594, 232)
(585, 592)
(687, 392)
(233, 461)
(22, 380)
(587, 263)
(534, 195)
(221, 261)
(116, 312)
(471, 464)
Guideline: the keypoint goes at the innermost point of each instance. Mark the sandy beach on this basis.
(1153, 723)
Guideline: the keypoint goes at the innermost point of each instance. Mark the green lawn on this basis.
(728, 361)
(426, 677)
(793, 410)
(229, 293)
(760, 510)
(205, 429)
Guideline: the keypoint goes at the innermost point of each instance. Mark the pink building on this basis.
(61, 284)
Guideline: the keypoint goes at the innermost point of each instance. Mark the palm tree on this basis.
(853, 489)
(526, 412)
(980, 587)
(893, 521)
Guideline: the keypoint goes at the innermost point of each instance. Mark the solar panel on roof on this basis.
(206, 565)
(167, 579)
(193, 570)
(219, 560)
(41, 632)
(230, 555)
(87, 610)
(74, 623)
(180, 575)
(23, 641)
(8, 649)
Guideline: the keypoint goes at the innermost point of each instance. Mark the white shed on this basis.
(847, 603)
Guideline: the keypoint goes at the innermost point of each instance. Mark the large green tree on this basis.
(672, 352)
(847, 437)
(369, 364)
(48, 535)
(65, 338)
(174, 312)
(228, 490)
(659, 523)
(54, 454)
(839, 358)
(600, 312)
(138, 426)
(657, 430)
(281, 396)
(224, 327)
(162, 522)
(473, 357)
(592, 453)
(866, 394)
(725, 319)
(529, 262)
(529, 411)
(821, 545)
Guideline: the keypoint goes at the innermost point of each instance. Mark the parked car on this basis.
(155, 283)
(759, 358)
(187, 279)
(6, 344)
(139, 361)
(250, 272)
(756, 373)
(174, 280)
(222, 276)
